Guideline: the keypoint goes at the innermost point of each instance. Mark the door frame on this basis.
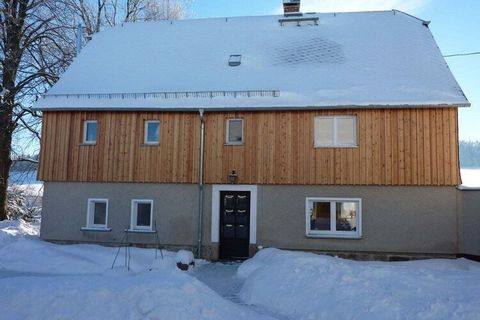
(216, 189)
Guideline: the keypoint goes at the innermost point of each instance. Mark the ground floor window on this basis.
(334, 217)
(142, 215)
(97, 213)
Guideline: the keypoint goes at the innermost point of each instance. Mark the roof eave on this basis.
(217, 109)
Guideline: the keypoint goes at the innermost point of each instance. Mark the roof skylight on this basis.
(235, 60)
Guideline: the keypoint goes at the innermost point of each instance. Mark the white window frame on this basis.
(227, 136)
(91, 214)
(85, 126)
(145, 140)
(335, 134)
(333, 233)
(133, 216)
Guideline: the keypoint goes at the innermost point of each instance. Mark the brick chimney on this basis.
(291, 6)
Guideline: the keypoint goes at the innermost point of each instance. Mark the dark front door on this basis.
(234, 224)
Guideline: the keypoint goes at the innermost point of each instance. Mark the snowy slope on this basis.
(307, 286)
(349, 59)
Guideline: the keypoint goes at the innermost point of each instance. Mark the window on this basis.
(142, 215)
(97, 214)
(235, 60)
(90, 132)
(234, 131)
(339, 131)
(334, 218)
(152, 132)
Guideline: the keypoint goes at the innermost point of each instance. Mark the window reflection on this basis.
(320, 218)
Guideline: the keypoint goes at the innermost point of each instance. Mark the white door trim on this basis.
(216, 208)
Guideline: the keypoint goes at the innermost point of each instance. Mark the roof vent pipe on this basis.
(291, 6)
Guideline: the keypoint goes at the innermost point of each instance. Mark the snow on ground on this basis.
(308, 286)
(40, 280)
(471, 178)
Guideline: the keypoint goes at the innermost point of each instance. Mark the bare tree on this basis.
(35, 47)
(95, 14)
(37, 43)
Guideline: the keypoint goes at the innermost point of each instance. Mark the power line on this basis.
(461, 54)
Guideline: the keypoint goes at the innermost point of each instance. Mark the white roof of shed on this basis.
(385, 58)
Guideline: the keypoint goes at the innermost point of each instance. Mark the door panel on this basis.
(234, 224)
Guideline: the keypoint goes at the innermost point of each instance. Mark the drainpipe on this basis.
(200, 183)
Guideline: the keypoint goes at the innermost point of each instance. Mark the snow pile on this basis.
(40, 280)
(11, 230)
(470, 178)
(308, 286)
(185, 257)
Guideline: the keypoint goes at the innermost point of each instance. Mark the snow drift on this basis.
(308, 286)
(40, 280)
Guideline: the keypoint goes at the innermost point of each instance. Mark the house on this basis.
(328, 132)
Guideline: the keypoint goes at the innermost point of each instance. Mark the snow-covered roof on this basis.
(385, 58)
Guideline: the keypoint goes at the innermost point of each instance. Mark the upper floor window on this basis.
(90, 132)
(336, 131)
(152, 132)
(334, 217)
(234, 133)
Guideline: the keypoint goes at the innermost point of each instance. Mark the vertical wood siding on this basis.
(120, 154)
(395, 147)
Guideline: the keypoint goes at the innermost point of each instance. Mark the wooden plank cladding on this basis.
(415, 146)
(120, 154)
(395, 147)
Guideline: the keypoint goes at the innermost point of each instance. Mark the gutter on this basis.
(266, 108)
(200, 183)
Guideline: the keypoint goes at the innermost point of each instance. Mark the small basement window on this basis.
(335, 131)
(142, 215)
(235, 60)
(333, 218)
(234, 135)
(90, 132)
(152, 132)
(97, 214)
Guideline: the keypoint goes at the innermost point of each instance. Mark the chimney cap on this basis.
(291, 6)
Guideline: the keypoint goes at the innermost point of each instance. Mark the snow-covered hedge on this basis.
(308, 286)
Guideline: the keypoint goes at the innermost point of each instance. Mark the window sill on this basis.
(151, 145)
(140, 231)
(233, 144)
(334, 236)
(95, 229)
(86, 144)
(335, 147)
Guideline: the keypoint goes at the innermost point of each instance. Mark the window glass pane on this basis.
(91, 134)
(320, 216)
(143, 214)
(346, 131)
(323, 131)
(100, 213)
(235, 131)
(346, 215)
(153, 131)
